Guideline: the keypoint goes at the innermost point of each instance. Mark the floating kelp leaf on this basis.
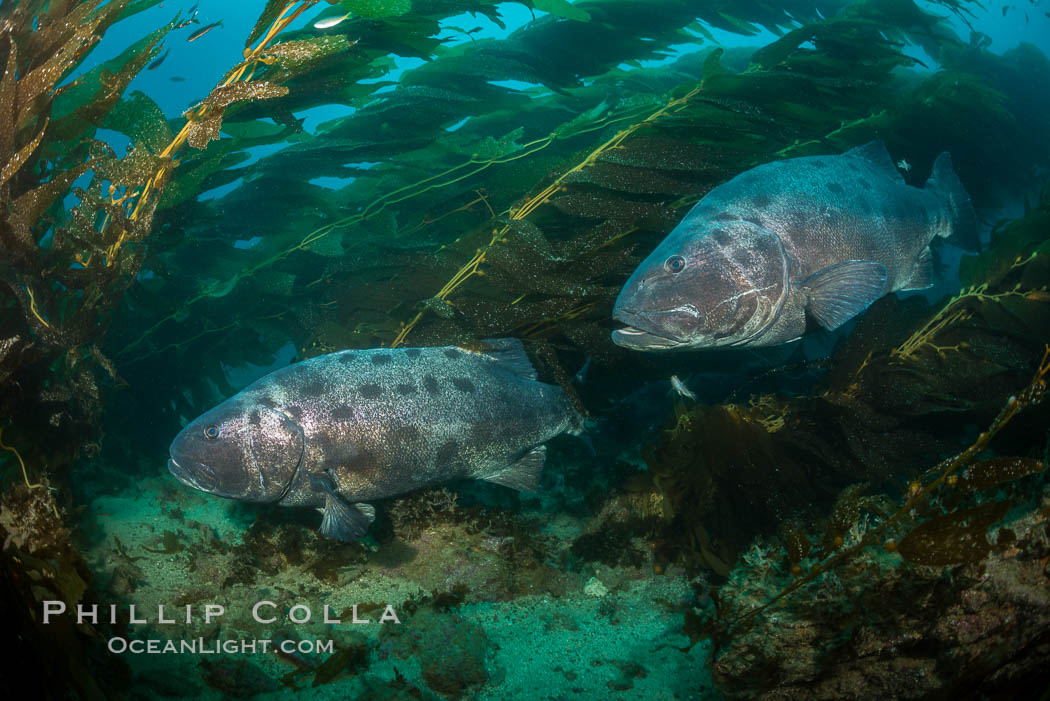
(583, 121)
(844, 514)
(269, 14)
(632, 180)
(139, 118)
(89, 99)
(43, 78)
(604, 205)
(378, 8)
(294, 56)
(22, 155)
(668, 154)
(493, 147)
(275, 282)
(440, 307)
(191, 174)
(713, 64)
(562, 8)
(220, 288)
(253, 129)
(223, 96)
(991, 473)
(796, 542)
(330, 246)
(954, 538)
(133, 8)
(205, 129)
(1011, 244)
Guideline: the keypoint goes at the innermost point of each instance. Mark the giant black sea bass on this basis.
(818, 238)
(345, 428)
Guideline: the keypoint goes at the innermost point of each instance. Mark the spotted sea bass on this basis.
(817, 238)
(345, 428)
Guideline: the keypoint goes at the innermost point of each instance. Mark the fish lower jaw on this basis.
(636, 339)
(183, 475)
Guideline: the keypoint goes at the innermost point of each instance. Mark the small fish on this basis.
(817, 238)
(904, 165)
(187, 22)
(680, 387)
(203, 30)
(177, 79)
(1005, 8)
(345, 428)
(331, 21)
(159, 61)
(193, 10)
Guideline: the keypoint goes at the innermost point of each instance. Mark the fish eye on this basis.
(211, 432)
(675, 264)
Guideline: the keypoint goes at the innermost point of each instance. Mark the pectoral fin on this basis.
(343, 522)
(839, 292)
(339, 520)
(523, 475)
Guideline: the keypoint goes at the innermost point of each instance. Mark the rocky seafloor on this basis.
(491, 605)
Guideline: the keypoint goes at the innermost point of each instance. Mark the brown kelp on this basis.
(73, 235)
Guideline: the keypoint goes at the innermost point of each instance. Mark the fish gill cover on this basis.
(507, 186)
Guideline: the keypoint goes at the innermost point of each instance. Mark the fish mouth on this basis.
(198, 475)
(637, 338)
(631, 337)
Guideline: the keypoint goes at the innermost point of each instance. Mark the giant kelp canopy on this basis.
(508, 186)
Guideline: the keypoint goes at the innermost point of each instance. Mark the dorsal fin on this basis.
(511, 355)
(875, 153)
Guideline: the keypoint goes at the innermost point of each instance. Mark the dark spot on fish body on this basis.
(405, 433)
(413, 352)
(761, 200)
(464, 385)
(295, 411)
(346, 357)
(819, 163)
(370, 391)
(405, 389)
(864, 183)
(835, 188)
(380, 358)
(343, 412)
(852, 165)
(255, 419)
(863, 205)
(431, 385)
(724, 216)
(312, 389)
(452, 353)
(721, 237)
(448, 452)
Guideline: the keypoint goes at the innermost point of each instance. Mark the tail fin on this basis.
(949, 189)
